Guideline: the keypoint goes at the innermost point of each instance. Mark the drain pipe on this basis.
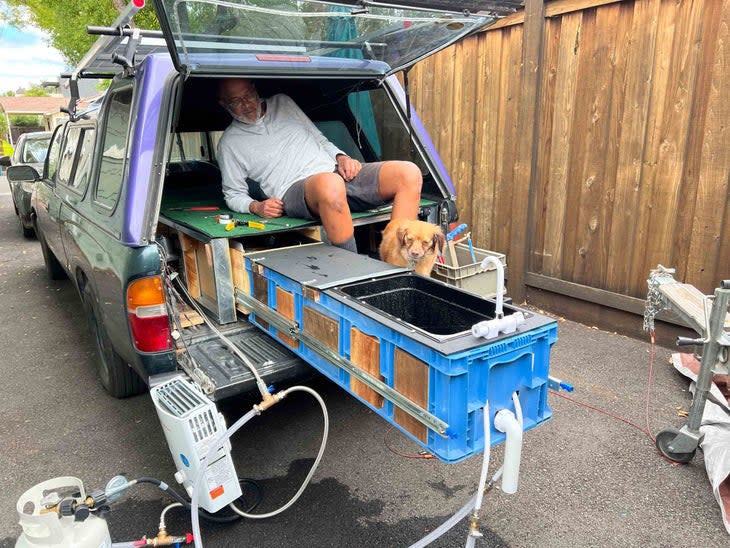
(490, 329)
(506, 421)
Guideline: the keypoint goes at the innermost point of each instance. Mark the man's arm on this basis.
(234, 175)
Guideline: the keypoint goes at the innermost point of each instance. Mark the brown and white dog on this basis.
(414, 244)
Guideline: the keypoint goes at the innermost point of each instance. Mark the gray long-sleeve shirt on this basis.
(283, 148)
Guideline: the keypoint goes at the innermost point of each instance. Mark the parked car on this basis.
(30, 150)
(102, 208)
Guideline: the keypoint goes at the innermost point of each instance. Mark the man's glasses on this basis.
(240, 100)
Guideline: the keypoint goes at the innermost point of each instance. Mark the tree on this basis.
(66, 21)
(36, 91)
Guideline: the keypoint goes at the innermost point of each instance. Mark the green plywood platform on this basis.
(206, 222)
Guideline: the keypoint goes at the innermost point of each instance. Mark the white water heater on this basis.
(192, 423)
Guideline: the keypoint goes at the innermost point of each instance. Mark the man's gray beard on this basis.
(248, 121)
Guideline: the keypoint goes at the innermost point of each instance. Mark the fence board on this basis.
(486, 115)
(637, 88)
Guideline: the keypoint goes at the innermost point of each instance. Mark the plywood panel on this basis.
(285, 307)
(323, 328)
(411, 380)
(261, 293)
(365, 354)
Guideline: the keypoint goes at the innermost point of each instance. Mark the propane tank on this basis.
(45, 525)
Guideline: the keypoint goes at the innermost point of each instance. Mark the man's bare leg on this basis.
(326, 198)
(401, 182)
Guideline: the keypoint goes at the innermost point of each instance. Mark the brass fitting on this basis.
(267, 401)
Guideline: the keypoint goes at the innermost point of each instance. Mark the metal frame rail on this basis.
(709, 316)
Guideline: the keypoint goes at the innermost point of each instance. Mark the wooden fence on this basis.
(629, 165)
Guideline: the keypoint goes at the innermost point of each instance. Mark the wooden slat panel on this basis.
(712, 190)
(660, 78)
(637, 86)
(324, 329)
(462, 125)
(410, 378)
(285, 307)
(365, 354)
(706, 44)
(590, 254)
(484, 178)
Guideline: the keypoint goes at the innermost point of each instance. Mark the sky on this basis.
(26, 58)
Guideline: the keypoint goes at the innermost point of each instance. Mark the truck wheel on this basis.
(28, 233)
(117, 377)
(54, 270)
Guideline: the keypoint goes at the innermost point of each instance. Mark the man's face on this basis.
(241, 100)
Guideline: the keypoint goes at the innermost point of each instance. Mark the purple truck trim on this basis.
(152, 74)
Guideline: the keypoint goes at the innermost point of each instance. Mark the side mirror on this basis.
(5, 161)
(17, 174)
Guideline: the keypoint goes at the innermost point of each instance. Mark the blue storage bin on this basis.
(411, 333)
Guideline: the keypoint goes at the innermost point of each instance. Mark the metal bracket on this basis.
(292, 329)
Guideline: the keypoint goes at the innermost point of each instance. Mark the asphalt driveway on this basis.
(587, 479)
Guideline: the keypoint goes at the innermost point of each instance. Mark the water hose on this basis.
(218, 443)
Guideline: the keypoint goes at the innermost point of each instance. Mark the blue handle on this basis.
(454, 233)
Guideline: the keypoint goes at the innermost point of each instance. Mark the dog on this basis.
(414, 244)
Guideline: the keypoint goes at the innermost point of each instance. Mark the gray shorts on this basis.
(362, 193)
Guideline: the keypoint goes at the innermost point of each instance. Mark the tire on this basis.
(116, 376)
(54, 269)
(28, 233)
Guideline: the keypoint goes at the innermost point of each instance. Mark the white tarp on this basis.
(716, 429)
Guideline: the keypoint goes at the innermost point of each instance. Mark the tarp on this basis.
(715, 427)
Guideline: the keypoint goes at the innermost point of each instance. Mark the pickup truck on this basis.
(30, 150)
(120, 205)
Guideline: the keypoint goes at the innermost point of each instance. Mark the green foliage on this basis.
(3, 129)
(25, 120)
(66, 21)
(36, 91)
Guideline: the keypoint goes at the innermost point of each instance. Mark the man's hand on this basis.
(273, 207)
(348, 167)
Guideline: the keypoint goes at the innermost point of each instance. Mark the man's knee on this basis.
(327, 190)
(404, 175)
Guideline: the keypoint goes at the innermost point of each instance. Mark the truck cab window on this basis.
(114, 148)
(68, 156)
(54, 153)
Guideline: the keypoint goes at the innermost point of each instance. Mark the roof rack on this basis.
(117, 46)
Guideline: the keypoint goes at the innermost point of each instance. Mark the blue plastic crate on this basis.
(450, 374)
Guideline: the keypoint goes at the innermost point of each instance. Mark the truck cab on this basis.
(129, 205)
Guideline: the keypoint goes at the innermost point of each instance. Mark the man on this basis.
(273, 142)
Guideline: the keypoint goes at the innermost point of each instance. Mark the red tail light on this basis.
(147, 315)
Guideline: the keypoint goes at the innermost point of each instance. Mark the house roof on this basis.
(32, 105)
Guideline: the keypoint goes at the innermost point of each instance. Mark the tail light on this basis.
(147, 315)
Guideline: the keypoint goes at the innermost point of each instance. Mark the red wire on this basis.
(647, 430)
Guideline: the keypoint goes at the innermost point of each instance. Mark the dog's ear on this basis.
(402, 233)
(438, 240)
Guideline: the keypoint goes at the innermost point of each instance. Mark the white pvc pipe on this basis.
(500, 280)
(505, 421)
(489, 329)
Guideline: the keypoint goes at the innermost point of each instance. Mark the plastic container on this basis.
(468, 275)
(414, 335)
